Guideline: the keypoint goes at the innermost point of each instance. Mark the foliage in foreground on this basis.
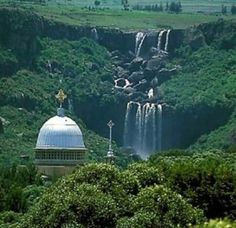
(207, 179)
(100, 195)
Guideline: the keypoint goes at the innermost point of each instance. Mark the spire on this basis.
(61, 96)
(110, 156)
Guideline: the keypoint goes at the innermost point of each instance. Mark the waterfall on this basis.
(139, 42)
(138, 128)
(94, 34)
(143, 128)
(167, 40)
(153, 113)
(127, 125)
(159, 107)
(160, 39)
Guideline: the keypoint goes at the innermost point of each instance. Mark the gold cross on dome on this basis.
(61, 96)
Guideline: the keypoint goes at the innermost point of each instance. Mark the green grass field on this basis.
(116, 18)
(207, 6)
(73, 12)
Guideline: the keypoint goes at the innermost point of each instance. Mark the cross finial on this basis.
(61, 96)
(110, 124)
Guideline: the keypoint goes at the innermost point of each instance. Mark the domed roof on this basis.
(60, 132)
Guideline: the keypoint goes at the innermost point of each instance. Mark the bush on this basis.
(99, 195)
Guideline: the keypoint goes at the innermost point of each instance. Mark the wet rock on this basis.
(136, 76)
(137, 96)
(153, 52)
(115, 53)
(136, 63)
(154, 82)
(149, 74)
(155, 63)
(121, 72)
(129, 90)
(142, 85)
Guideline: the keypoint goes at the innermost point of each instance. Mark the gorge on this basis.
(140, 84)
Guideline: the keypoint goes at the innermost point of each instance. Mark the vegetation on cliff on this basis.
(203, 92)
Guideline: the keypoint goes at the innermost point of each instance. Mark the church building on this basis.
(60, 146)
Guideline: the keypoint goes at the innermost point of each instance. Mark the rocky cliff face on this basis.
(19, 31)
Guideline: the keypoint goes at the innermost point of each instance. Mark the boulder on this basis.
(136, 76)
(153, 52)
(149, 74)
(115, 53)
(129, 90)
(137, 96)
(155, 63)
(121, 72)
(142, 85)
(136, 63)
(165, 74)
(154, 82)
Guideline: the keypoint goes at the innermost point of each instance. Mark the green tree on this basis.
(224, 9)
(97, 3)
(233, 9)
(125, 4)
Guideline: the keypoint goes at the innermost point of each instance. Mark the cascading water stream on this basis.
(126, 125)
(140, 37)
(159, 107)
(167, 40)
(160, 39)
(94, 34)
(143, 128)
(138, 128)
(153, 113)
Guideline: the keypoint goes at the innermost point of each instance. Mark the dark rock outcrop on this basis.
(165, 74)
(136, 64)
(136, 76)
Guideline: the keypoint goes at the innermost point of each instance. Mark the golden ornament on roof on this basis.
(61, 96)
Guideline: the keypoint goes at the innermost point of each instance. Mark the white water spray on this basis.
(159, 107)
(140, 37)
(167, 40)
(160, 39)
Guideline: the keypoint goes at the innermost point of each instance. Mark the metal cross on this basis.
(61, 96)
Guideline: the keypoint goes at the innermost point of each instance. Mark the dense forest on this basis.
(192, 182)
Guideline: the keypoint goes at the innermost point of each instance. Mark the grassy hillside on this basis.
(206, 6)
(116, 18)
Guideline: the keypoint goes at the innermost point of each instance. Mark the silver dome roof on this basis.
(60, 132)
